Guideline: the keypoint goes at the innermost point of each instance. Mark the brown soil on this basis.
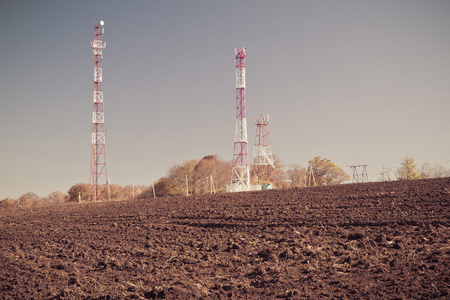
(357, 241)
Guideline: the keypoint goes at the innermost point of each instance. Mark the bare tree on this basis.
(28, 200)
(295, 175)
(434, 171)
(57, 197)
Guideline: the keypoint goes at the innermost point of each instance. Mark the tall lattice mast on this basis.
(262, 159)
(240, 177)
(98, 181)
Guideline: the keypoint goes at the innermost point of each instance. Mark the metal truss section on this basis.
(98, 117)
(97, 53)
(98, 138)
(100, 164)
(240, 183)
(260, 157)
(241, 131)
(98, 75)
(98, 97)
(97, 45)
(240, 78)
(240, 157)
(240, 103)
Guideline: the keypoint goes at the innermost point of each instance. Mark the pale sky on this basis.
(357, 82)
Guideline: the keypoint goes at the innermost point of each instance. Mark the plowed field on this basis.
(356, 241)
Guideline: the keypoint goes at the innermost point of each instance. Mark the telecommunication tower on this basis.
(98, 182)
(262, 159)
(240, 177)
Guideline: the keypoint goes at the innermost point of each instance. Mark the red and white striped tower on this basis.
(98, 181)
(240, 177)
(262, 159)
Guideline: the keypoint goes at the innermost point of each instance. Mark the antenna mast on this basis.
(98, 181)
(262, 160)
(240, 177)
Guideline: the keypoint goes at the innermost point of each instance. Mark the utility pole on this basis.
(187, 186)
(310, 173)
(213, 189)
(153, 188)
(385, 177)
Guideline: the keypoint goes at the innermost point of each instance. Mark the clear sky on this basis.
(357, 82)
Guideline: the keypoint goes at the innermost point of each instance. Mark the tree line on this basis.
(409, 170)
(213, 174)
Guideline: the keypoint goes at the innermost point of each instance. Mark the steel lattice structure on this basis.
(359, 178)
(240, 177)
(98, 181)
(262, 160)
